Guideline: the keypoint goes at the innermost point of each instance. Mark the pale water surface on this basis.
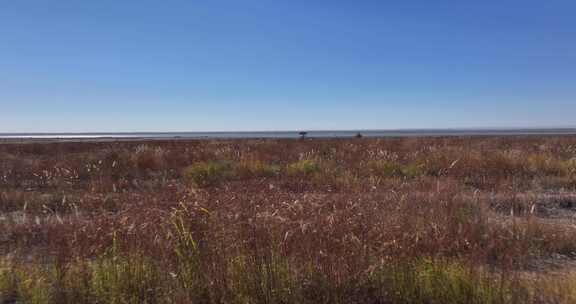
(295, 134)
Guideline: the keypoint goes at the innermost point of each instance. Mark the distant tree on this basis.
(303, 134)
(358, 135)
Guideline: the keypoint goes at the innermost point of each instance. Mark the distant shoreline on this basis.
(124, 136)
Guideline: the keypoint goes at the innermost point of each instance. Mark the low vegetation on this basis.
(399, 220)
(204, 174)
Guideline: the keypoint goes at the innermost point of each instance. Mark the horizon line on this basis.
(532, 128)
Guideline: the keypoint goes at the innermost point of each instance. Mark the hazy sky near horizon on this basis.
(89, 66)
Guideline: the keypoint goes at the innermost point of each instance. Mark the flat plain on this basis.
(486, 219)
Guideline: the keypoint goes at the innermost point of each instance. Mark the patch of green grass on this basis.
(568, 167)
(544, 165)
(304, 167)
(385, 168)
(126, 279)
(270, 278)
(251, 169)
(263, 280)
(188, 275)
(74, 286)
(7, 282)
(437, 282)
(205, 174)
(560, 290)
(413, 170)
(34, 285)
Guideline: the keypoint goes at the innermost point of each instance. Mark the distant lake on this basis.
(295, 134)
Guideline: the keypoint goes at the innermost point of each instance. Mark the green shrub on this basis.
(385, 168)
(544, 165)
(568, 167)
(413, 170)
(304, 167)
(204, 174)
(251, 169)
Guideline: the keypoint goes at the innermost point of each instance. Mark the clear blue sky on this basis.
(110, 65)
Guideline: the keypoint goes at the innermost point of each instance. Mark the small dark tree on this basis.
(303, 134)
(358, 135)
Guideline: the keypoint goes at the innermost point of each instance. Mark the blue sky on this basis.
(89, 66)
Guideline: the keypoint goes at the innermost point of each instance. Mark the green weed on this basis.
(305, 167)
(126, 279)
(34, 285)
(7, 282)
(413, 170)
(251, 169)
(385, 168)
(426, 281)
(189, 274)
(204, 174)
(263, 280)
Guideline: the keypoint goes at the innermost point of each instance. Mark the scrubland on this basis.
(397, 220)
